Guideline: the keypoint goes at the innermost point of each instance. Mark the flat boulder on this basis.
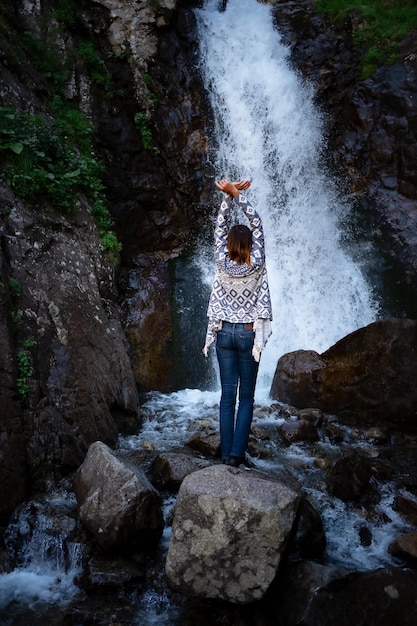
(117, 503)
(369, 373)
(229, 532)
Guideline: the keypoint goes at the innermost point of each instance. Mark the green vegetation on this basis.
(15, 314)
(142, 124)
(378, 26)
(14, 288)
(24, 372)
(95, 64)
(148, 82)
(49, 162)
(45, 58)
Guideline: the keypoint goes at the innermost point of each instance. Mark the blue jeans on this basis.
(238, 369)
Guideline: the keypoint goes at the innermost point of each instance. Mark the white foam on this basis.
(32, 587)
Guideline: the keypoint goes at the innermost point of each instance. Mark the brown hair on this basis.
(239, 243)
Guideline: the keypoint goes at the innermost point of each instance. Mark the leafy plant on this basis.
(95, 64)
(24, 372)
(16, 319)
(148, 82)
(65, 11)
(29, 343)
(48, 163)
(14, 287)
(142, 124)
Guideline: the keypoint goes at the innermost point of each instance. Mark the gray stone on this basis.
(170, 468)
(118, 505)
(229, 532)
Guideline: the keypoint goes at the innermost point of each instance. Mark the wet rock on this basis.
(107, 574)
(257, 450)
(334, 433)
(296, 587)
(229, 533)
(369, 374)
(385, 596)
(349, 477)
(365, 536)
(170, 469)
(311, 538)
(371, 599)
(117, 503)
(377, 435)
(407, 507)
(299, 430)
(46, 529)
(405, 548)
(14, 481)
(206, 442)
(80, 385)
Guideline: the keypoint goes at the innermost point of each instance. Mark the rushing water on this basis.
(267, 129)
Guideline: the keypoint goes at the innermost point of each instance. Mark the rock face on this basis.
(371, 123)
(66, 376)
(72, 378)
(229, 532)
(369, 373)
(117, 503)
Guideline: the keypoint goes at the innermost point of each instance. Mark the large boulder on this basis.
(118, 505)
(369, 373)
(317, 595)
(229, 533)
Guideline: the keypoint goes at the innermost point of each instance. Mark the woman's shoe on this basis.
(235, 461)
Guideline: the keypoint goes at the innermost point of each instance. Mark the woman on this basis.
(239, 315)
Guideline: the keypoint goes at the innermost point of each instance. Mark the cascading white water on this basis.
(266, 129)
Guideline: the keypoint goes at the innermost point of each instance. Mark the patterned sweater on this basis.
(240, 293)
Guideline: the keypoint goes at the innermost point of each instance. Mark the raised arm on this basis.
(233, 189)
(255, 224)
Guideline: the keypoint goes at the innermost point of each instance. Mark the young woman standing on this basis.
(239, 315)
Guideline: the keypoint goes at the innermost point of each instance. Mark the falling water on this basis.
(267, 129)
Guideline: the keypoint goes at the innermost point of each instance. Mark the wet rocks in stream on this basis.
(118, 504)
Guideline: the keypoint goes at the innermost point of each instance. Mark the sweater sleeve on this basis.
(222, 228)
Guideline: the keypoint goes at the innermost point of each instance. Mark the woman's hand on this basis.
(232, 188)
(241, 185)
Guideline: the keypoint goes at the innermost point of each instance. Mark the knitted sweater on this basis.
(240, 293)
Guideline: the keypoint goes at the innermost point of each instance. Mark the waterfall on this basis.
(267, 129)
